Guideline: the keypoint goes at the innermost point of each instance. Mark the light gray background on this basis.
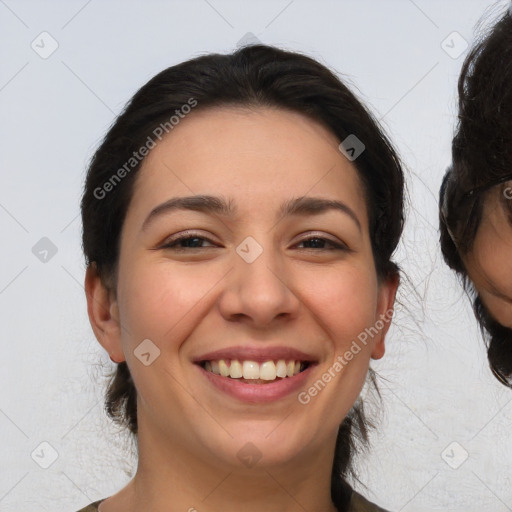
(437, 388)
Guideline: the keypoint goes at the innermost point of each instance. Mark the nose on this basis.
(260, 292)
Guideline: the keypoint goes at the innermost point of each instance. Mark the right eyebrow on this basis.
(200, 203)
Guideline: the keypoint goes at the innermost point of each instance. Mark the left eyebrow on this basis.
(218, 205)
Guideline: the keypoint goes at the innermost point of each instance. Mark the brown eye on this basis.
(190, 240)
(318, 242)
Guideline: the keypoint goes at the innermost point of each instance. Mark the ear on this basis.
(103, 312)
(385, 304)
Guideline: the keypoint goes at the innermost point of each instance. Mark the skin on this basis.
(489, 264)
(200, 299)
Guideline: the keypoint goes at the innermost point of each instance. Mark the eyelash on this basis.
(172, 244)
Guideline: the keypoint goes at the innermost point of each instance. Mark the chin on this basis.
(265, 444)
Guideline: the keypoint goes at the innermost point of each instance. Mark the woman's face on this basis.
(489, 264)
(262, 278)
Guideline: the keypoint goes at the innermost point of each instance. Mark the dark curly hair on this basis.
(481, 156)
(254, 76)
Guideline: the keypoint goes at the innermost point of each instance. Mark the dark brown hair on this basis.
(252, 76)
(481, 155)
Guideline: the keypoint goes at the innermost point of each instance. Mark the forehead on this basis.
(258, 156)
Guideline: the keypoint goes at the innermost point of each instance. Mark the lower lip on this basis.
(258, 393)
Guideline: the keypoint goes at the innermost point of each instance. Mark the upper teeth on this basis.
(268, 370)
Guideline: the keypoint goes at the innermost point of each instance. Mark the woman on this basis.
(476, 194)
(239, 273)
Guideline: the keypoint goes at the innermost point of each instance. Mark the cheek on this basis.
(493, 252)
(496, 264)
(344, 304)
(164, 303)
(346, 301)
(159, 299)
(503, 314)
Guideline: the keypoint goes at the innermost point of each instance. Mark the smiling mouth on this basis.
(252, 372)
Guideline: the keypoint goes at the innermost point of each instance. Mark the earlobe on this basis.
(379, 348)
(103, 312)
(386, 301)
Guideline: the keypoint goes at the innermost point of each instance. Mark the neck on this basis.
(170, 477)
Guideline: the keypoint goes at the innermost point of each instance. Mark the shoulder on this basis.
(93, 507)
(360, 504)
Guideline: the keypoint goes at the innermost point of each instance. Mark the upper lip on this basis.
(257, 354)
